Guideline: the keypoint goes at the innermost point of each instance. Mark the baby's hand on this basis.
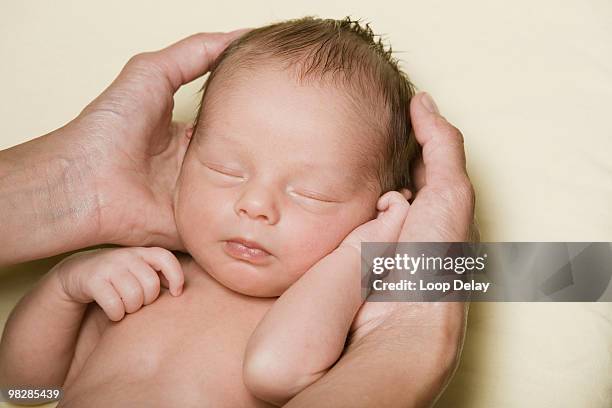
(120, 280)
(392, 211)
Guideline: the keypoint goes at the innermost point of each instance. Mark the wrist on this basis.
(52, 296)
(51, 197)
(62, 283)
(350, 257)
(348, 249)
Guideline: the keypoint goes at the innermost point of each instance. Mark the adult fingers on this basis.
(187, 59)
(443, 160)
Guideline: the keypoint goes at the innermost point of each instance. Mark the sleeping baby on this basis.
(301, 143)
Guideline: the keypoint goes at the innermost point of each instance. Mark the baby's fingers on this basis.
(164, 261)
(108, 299)
(128, 287)
(392, 211)
(149, 280)
(393, 203)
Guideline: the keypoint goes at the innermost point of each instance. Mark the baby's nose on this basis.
(257, 203)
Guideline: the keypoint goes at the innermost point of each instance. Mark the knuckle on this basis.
(142, 58)
(457, 194)
(463, 193)
(456, 133)
(95, 281)
(466, 191)
(132, 294)
(116, 259)
(151, 296)
(129, 253)
(114, 303)
(158, 251)
(449, 130)
(397, 196)
(150, 283)
(167, 257)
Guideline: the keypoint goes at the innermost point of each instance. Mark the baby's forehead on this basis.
(270, 104)
(285, 91)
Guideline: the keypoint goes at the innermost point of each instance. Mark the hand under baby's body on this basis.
(119, 280)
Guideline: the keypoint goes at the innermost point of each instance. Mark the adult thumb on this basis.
(442, 144)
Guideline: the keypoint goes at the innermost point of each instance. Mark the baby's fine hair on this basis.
(347, 54)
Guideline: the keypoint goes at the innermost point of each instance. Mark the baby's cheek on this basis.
(195, 216)
(312, 242)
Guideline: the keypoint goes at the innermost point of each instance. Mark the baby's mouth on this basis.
(246, 250)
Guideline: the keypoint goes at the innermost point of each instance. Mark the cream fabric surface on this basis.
(529, 84)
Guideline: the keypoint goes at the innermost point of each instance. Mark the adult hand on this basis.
(442, 210)
(410, 350)
(108, 175)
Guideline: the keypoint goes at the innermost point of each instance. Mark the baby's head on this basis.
(303, 125)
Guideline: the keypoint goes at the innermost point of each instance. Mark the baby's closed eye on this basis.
(226, 171)
(314, 196)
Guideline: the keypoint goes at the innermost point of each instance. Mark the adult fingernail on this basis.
(429, 103)
(240, 31)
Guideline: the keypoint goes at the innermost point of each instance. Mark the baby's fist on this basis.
(392, 211)
(120, 280)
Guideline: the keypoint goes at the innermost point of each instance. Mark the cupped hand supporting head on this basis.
(442, 210)
(138, 149)
(108, 176)
(443, 206)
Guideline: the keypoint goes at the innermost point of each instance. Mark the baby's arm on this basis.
(304, 332)
(39, 338)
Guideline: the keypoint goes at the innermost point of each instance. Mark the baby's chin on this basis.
(245, 278)
(249, 287)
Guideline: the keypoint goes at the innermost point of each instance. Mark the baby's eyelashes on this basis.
(224, 171)
(313, 196)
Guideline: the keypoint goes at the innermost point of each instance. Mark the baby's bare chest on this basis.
(186, 350)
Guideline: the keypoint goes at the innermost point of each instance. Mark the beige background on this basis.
(529, 83)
